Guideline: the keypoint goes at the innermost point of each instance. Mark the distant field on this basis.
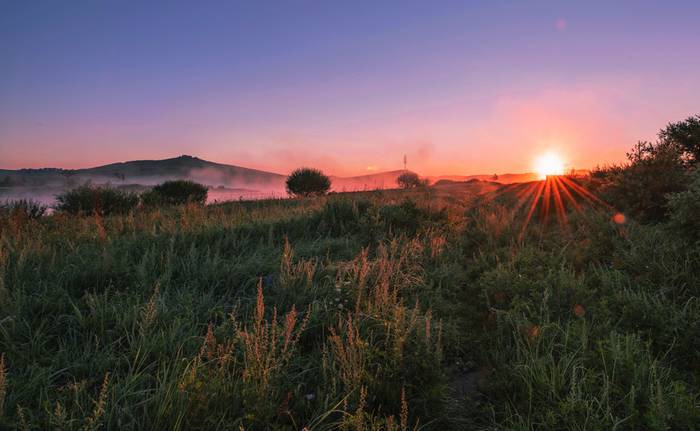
(423, 309)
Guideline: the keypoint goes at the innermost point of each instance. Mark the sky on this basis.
(460, 87)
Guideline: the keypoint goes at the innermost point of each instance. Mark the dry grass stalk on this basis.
(100, 405)
(349, 353)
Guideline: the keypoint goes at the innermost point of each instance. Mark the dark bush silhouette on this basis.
(640, 187)
(684, 211)
(685, 135)
(654, 170)
(308, 182)
(25, 208)
(96, 200)
(176, 192)
(409, 180)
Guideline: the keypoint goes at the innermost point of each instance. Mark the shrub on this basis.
(409, 180)
(308, 182)
(96, 200)
(640, 187)
(27, 208)
(685, 135)
(684, 208)
(654, 172)
(176, 192)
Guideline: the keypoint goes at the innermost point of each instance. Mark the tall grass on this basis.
(362, 312)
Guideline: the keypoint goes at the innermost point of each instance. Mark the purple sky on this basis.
(460, 87)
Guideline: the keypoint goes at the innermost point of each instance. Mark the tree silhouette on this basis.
(409, 180)
(307, 182)
(685, 135)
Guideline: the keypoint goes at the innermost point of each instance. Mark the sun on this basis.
(549, 164)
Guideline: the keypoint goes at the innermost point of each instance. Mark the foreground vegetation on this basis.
(428, 308)
(387, 310)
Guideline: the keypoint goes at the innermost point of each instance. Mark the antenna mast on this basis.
(404, 162)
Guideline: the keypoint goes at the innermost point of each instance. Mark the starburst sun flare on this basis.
(549, 163)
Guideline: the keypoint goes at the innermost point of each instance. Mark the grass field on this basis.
(396, 310)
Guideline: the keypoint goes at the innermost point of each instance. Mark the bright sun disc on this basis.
(549, 164)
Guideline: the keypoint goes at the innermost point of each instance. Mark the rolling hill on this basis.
(149, 172)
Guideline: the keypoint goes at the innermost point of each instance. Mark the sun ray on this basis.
(559, 205)
(585, 193)
(568, 194)
(533, 205)
(546, 198)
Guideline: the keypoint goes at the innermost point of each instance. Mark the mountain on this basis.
(185, 167)
(149, 172)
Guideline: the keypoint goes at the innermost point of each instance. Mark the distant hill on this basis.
(149, 172)
(185, 167)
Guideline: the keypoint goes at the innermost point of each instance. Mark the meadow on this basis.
(430, 308)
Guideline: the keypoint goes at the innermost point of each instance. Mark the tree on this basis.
(685, 135)
(409, 180)
(654, 170)
(307, 182)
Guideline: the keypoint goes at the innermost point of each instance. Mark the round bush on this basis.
(308, 182)
(176, 192)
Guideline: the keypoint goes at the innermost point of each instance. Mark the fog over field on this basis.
(225, 182)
